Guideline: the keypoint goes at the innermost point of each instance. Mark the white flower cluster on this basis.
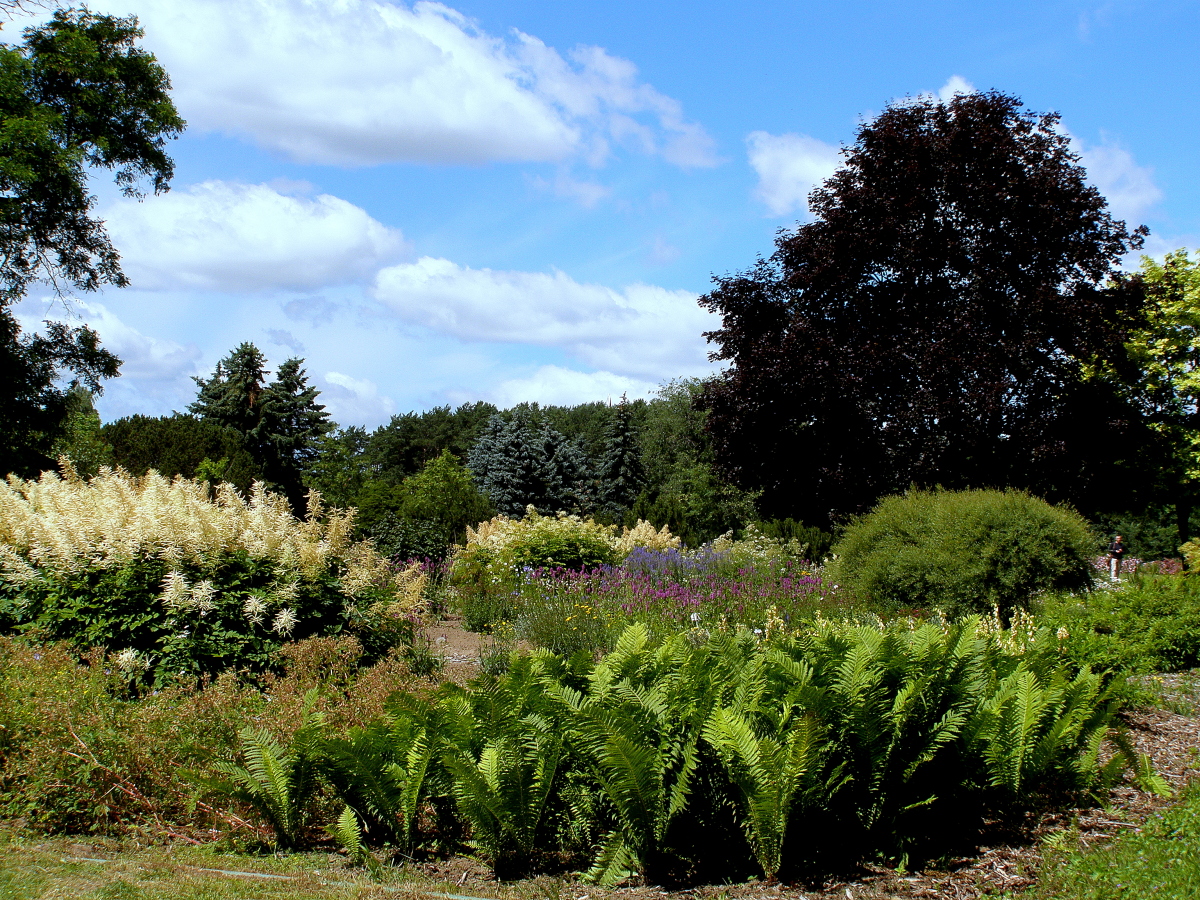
(756, 548)
(502, 532)
(67, 524)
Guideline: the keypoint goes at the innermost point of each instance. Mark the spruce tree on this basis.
(233, 396)
(520, 462)
(279, 423)
(293, 422)
(620, 474)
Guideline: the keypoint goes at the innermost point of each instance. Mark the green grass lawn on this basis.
(1160, 861)
(57, 869)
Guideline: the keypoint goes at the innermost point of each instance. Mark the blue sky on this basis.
(521, 200)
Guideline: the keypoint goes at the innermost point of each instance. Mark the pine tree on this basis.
(620, 474)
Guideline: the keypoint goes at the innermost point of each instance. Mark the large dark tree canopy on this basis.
(932, 325)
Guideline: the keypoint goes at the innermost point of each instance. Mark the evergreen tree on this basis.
(403, 446)
(519, 462)
(233, 396)
(292, 423)
(279, 422)
(620, 475)
(181, 444)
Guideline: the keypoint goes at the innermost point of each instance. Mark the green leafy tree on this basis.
(1166, 349)
(934, 324)
(82, 440)
(77, 93)
(426, 514)
(340, 467)
(682, 488)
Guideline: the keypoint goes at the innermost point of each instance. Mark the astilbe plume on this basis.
(67, 524)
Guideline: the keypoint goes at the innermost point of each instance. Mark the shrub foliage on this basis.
(964, 551)
(175, 582)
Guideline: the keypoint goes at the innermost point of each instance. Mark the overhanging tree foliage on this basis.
(33, 405)
(932, 324)
(78, 93)
(1166, 349)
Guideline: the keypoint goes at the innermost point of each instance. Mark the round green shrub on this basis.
(963, 552)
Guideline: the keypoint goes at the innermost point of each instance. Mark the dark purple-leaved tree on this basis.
(934, 325)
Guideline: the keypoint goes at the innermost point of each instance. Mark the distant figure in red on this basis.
(1116, 552)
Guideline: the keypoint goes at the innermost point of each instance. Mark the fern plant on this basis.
(638, 728)
(1040, 726)
(384, 771)
(773, 750)
(504, 764)
(278, 782)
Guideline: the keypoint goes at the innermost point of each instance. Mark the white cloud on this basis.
(226, 236)
(155, 373)
(642, 331)
(1128, 187)
(554, 384)
(789, 166)
(956, 84)
(355, 401)
(360, 82)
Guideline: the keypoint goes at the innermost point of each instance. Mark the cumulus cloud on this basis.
(1128, 187)
(355, 401)
(789, 166)
(155, 372)
(226, 236)
(360, 82)
(642, 331)
(554, 384)
(954, 85)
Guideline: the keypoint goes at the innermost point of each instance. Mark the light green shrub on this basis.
(499, 553)
(963, 551)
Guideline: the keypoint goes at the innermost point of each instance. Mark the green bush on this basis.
(1149, 623)
(176, 583)
(963, 552)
